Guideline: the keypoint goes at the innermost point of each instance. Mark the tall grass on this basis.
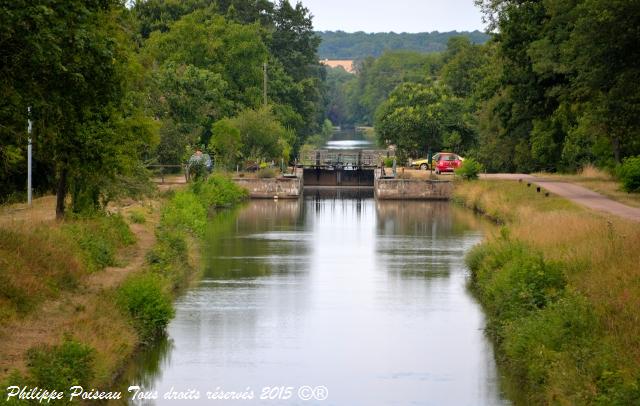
(591, 171)
(583, 345)
(37, 264)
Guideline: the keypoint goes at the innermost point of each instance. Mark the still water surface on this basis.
(366, 298)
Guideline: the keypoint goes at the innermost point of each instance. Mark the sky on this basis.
(396, 15)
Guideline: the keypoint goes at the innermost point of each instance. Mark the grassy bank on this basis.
(98, 316)
(41, 263)
(561, 289)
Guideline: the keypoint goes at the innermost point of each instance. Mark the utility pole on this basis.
(264, 84)
(29, 150)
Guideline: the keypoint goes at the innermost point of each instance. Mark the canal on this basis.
(334, 296)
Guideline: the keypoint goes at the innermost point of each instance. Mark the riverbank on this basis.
(80, 296)
(560, 285)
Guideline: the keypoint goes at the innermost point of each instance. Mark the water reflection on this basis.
(366, 298)
(349, 139)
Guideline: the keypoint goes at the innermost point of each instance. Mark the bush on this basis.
(145, 298)
(60, 367)
(629, 174)
(184, 212)
(169, 257)
(513, 280)
(470, 169)
(219, 191)
(267, 173)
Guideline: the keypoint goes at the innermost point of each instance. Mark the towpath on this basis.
(575, 193)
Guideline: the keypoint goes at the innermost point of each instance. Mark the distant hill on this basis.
(357, 45)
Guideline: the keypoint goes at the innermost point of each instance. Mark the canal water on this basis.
(349, 139)
(337, 298)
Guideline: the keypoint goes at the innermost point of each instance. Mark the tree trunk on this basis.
(616, 149)
(61, 193)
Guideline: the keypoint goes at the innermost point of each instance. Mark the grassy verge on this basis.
(39, 264)
(101, 328)
(560, 286)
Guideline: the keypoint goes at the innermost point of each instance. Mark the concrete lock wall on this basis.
(324, 177)
(283, 188)
(412, 189)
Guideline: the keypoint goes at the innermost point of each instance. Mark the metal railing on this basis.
(344, 158)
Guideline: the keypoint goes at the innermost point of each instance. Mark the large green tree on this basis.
(568, 91)
(71, 61)
(416, 118)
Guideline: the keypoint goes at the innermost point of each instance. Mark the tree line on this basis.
(115, 85)
(556, 87)
(359, 45)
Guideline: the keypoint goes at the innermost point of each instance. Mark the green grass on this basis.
(99, 239)
(137, 217)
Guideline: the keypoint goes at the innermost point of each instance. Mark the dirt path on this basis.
(52, 318)
(577, 194)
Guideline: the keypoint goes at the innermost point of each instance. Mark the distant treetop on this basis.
(358, 45)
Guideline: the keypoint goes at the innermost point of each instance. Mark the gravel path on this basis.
(575, 193)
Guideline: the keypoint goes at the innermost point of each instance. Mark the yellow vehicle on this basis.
(423, 163)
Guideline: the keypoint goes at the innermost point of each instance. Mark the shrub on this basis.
(560, 333)
(267, 173)
(145, 298)
(513, 280)
(60, 367)
(629, 174)
(184, 212)
(470, 169)
(169, 257)
(219, 191)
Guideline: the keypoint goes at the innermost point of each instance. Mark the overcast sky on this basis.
(394, 15)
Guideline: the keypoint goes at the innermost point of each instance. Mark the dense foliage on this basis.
(629, 173)
(555, 88)
(359, 45)
(114, 86)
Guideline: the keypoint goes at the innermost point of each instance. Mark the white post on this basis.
(29, 153)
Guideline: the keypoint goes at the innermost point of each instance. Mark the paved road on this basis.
(578, 194)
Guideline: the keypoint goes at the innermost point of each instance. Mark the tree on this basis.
(71, 61)
(416, 118)
(226, 143)
(462, 69)
(188, 100)
(262, 137)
